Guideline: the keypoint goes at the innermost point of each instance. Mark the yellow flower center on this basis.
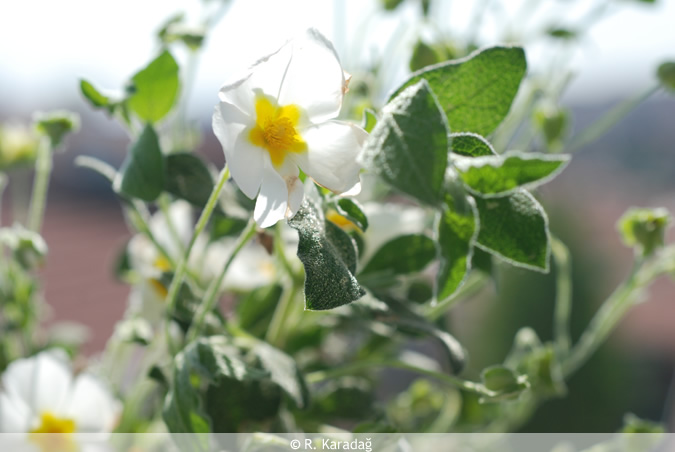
(275, 129)
(60, 437)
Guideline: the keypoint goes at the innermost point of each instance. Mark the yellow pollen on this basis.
(275, 129)
(162, 263)
(59, 437)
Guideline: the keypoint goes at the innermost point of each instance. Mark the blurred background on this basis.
(596, 55)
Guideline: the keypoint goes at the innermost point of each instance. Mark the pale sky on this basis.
(46, 45)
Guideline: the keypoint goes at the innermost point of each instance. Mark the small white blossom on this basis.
(279, 117)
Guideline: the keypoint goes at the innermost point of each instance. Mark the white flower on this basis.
(40, 395)
(279, 117)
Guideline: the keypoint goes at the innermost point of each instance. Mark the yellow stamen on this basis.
(275, 129)
(60, 434)
(159, 287)
(162, 263)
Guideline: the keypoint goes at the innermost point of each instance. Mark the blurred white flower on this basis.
(279, 118)
(41, 395)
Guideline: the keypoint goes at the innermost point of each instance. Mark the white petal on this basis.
(245, 160)
(91, 405)
(265, 76)
(296, 192)
(14, 415)
(272, 200)
(180, 214)
(331, 156)
(314, 79)
(41, 382)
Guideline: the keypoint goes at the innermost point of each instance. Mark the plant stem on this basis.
(470, 386)
(3, 184)
(473, 284)
(563, 297)
(38, 202)
(179, 276)
(609, 314)
(208, 302)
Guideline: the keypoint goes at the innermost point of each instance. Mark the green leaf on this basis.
(423, 55)
(369, 120)
(95, 97)
(284, 372)
(329, 257)
(155, 88)
(210, 360)
(470, 145)
(352, 211)
(458, 228)
(666, 74)
(224, 226)
(644, 229)
(142, 173)
(562, 33)
(188, 178)
(408, 147)
(255, 309)
(476, 92)
(401, 255)
(498, 175)
(504, 382)
(515, 229)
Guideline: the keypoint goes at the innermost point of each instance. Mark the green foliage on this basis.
(352, 211)
(56, 125)
(562, 33)
(28, 247)
(284, 372)
(400, 256)
(95, 97)
(142, 173)
(504, 382)
(188, 178)
(329, 257)
(470, 145)
(475, 92)
(408, 147)
(423, 55)
(666, 74)
(155, 88)
(499, 175)
(515, 228)
(369, 120)
(458, 228)
(644, 229)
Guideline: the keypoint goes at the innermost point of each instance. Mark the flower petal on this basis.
(41, 382)
(91, 405)
(331, 156)
(14, 415)
(272, 200)
(245, 160)
(265, 75)
(314, 79)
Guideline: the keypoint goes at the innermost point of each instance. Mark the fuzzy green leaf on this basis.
(352, 211)
(188, 178)
(408, 147)
(457, 231)
(402, 255)
(498, 175)
(155, 88)
(142, 173)
(329, 257)
(284, 372)
(515, 228)
(470, 145)
(476, 92)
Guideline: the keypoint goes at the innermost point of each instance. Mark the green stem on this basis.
(179, 276)
(38, 202)
(208, 302)
(563, 298)
(349, 369)
(604, 321)
(474, 283)
(281, 313)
